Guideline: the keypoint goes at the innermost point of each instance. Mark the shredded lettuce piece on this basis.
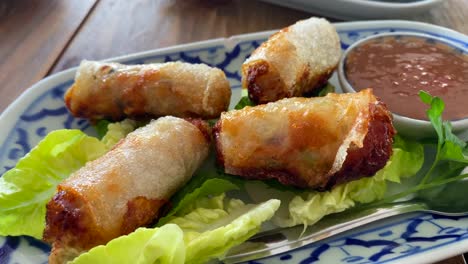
(213, 226)
(26, 189)
(309, 207)
(164, 245)
(117, 131)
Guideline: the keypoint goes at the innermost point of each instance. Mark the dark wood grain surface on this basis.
(33, 35)
(39, 37)
(149, 24)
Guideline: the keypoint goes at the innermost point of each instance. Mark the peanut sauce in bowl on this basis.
(398, 65)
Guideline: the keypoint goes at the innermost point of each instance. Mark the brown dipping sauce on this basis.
(397, 67)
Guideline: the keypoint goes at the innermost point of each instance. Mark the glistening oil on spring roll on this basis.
(296, 61)
(125, 188)
(307, 142)
(114, 91)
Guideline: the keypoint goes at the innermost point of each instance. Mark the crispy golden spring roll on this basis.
(115, 91)
(125, 188)
(312, 143)
(293, 62)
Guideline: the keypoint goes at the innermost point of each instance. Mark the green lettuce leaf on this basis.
(101, 127)
(164, 245)
(309, 207)
(216, 225)
(328, 88)
(183, 200)
(26, 189)
(116, 131)
(243, 102)
(317, 205)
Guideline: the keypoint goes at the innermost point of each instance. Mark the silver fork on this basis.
(449, 200)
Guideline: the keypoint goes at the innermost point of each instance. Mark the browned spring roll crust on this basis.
(296, 61)
(73, 223)
(114, 91)
(125, 188)
(307, 142)
(376, 150)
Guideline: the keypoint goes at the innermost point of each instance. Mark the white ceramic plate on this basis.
(360, 9)
(413, 238)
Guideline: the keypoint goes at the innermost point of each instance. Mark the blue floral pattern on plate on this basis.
(385, 241)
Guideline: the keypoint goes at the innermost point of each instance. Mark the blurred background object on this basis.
(361, 9)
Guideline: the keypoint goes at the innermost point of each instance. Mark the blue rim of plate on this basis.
(411, 237)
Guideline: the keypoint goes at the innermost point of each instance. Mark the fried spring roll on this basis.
(312, 143)
(293, 62)
(115, 91)
(125, 188)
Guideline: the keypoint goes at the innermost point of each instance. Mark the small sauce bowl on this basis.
(397, 66)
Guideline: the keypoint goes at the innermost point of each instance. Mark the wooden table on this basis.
(39, 37)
